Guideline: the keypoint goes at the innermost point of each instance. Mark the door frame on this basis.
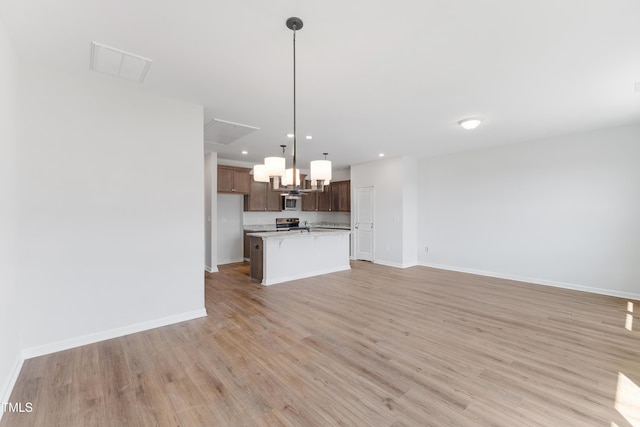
(371, 189)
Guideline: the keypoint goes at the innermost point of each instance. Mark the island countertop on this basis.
(297, 233)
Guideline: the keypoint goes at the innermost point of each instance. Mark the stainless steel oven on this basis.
(285, 224)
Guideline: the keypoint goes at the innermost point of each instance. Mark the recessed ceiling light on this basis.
(309, 137)
(289, 135)
(245, 152)
(381, 155)
(470, 123)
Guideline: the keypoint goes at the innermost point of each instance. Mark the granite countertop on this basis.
(297, 233)
(334, 225)
(260, 227)
(272, 227)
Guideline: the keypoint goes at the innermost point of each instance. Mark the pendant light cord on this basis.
(295, 133)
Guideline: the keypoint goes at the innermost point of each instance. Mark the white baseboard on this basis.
(230, 261)
(553, 283)
(11, 382)
(41, 350)
(393, 264)
(210, 270)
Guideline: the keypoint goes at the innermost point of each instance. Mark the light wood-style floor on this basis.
(373, 346)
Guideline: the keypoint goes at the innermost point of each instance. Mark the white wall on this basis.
(394, 225)
(111, 204)
(210, 212)
(10, 357)
(562, 211)
(409, 212)
(230, 231)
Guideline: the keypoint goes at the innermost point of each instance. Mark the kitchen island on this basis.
(281, 256)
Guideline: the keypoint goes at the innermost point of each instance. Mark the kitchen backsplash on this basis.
(256, 218)
(334, 217)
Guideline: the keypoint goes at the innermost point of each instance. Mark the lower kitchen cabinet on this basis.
(256, 258)
(246, 248)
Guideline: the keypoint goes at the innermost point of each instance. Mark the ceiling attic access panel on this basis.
(224, 132)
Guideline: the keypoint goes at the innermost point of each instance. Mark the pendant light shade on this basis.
(275, 166)
(260, 173)
(288, 177)
(321, 170)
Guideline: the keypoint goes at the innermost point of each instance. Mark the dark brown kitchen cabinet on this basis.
(310, 202)
(324, 199)
(262, 198)
(336, 197)
(246, 248)
(341, 196)
(256, 258)
(233, 180)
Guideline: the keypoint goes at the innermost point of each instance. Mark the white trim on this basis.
(8, 387)
(553, 283)
(41, 350)
(354, 221)
(393, 264)
(305, 275)
(210, 270)
(231, 261)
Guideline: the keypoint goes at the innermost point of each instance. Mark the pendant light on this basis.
(260, 173)
(274, 168)
(320, 172)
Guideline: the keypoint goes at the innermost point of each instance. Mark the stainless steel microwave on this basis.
(290, 203)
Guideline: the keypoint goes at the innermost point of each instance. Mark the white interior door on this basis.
(364, 223)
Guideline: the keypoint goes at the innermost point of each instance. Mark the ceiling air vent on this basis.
(224, 132)
(118, 63)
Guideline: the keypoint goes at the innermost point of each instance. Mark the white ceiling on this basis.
(373, 76)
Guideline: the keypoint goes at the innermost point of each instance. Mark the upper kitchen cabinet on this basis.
(233, 180)
(341, 196)
(262, 198)
(324, 199)
(310, 202)
(336, 197)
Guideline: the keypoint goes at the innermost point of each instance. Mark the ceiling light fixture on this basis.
(274, 169)
(470, 123)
